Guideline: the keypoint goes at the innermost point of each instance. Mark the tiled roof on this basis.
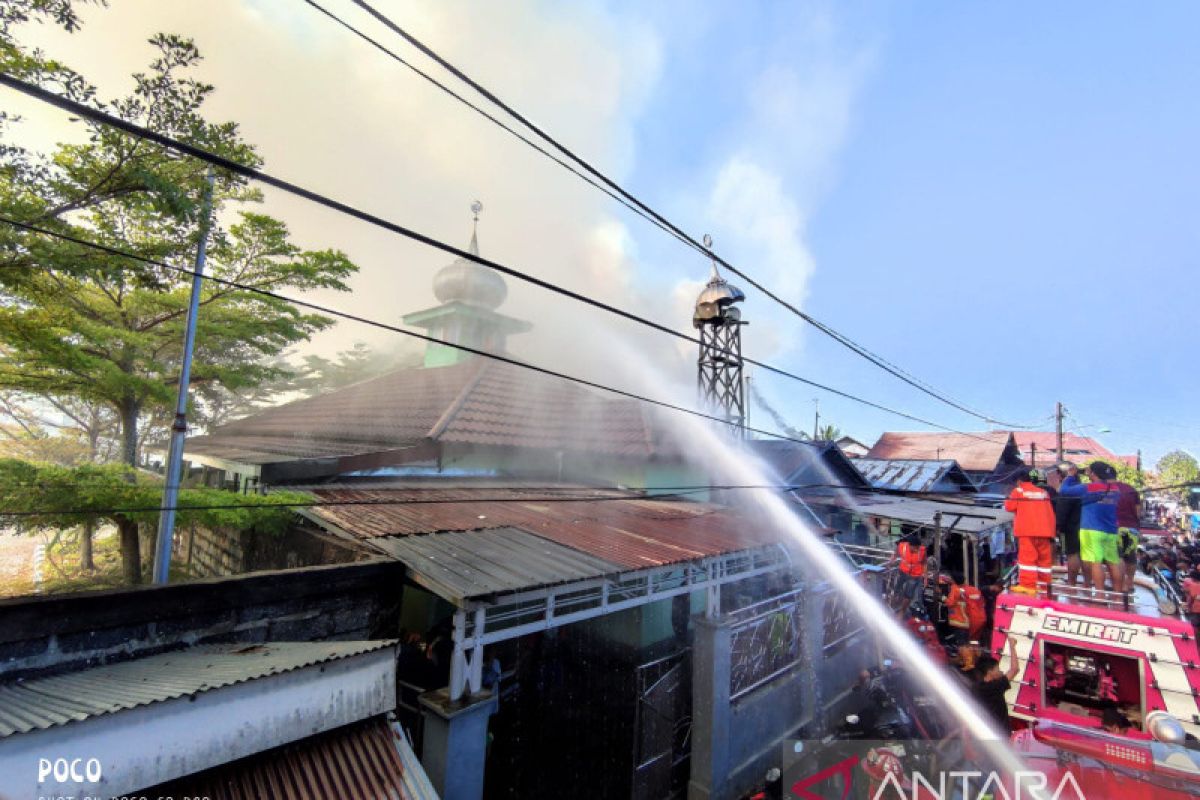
(48, 702)
(477, 402)
(632, 532)
(1076, 448)
(976, 452)
(366, 761)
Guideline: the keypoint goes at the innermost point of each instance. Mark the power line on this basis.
(393, 328)
(168, 142)
(646, 211)
(491, 118)
(669, 493)
(666, 493)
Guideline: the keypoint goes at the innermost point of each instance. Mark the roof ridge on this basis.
(459, 401)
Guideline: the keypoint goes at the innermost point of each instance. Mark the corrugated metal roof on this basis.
(808, 462)
(911, 475)
(634, 532)
(921, 512)
(464, 564)
(366, 761)
(974, 452)
(476, 402)
(47, 702)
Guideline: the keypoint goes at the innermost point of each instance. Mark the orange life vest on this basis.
(912, 559)
(956, 607)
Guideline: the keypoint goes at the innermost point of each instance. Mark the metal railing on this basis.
(1166, 602)
(765, 646)
(861, 555)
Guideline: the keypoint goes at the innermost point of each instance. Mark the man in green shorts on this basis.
(1098, 540)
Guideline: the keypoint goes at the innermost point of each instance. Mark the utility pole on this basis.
(1033, 454)
(746, 418)
(1058, 415)
(816, 417)
(166, 518)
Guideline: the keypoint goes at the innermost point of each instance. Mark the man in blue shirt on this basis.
(1097, 523)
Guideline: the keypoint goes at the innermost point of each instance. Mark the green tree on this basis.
(829, 433)
(80, 325)
(1175, 468)
(40, 497)
(358, 363)
(1125, 473)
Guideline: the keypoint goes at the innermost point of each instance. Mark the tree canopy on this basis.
(94, 330)
(35, 496)
(1176, 468)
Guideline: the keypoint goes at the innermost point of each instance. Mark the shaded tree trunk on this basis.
(131, 556)
(131, 551)
(86, 560)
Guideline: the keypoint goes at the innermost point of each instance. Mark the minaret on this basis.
(719, 366)
(469, 294)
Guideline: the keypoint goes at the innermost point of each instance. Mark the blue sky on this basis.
(1011, 213)
(1000, 198)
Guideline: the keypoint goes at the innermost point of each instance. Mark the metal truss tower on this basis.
(719, 366)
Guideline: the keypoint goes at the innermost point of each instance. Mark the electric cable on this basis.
(394, 329)
(213, 159)
(491, 118)
(658, 218)
(680, 492)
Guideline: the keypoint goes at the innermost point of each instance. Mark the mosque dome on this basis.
(470, 283)
(715, 305)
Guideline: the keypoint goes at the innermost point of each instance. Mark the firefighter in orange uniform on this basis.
(956, 612)
(1033, 527)
(976, 610)
(910, 582)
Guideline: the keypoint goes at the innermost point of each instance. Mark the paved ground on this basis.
(16, 563)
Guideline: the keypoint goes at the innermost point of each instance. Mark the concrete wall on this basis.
(61, 632)
(208, 552)
(734, 743)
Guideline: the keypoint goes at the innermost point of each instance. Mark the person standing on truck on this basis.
(1066, 521)
(1129, 520)
(1033, 527)
(1098, 545)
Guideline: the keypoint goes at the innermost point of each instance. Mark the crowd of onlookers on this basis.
(1176, 558)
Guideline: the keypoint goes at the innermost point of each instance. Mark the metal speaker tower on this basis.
(719, 366)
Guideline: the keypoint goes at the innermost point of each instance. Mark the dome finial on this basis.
(715, 305)
(473, 248)
(716, 274)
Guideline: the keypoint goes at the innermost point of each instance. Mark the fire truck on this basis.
(1081, 652)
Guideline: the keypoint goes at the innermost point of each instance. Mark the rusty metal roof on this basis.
(43, 703)
(459, 565)
(631, 531)
(366, 761)
(477, 402)
(911, 475)
(975, 452)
